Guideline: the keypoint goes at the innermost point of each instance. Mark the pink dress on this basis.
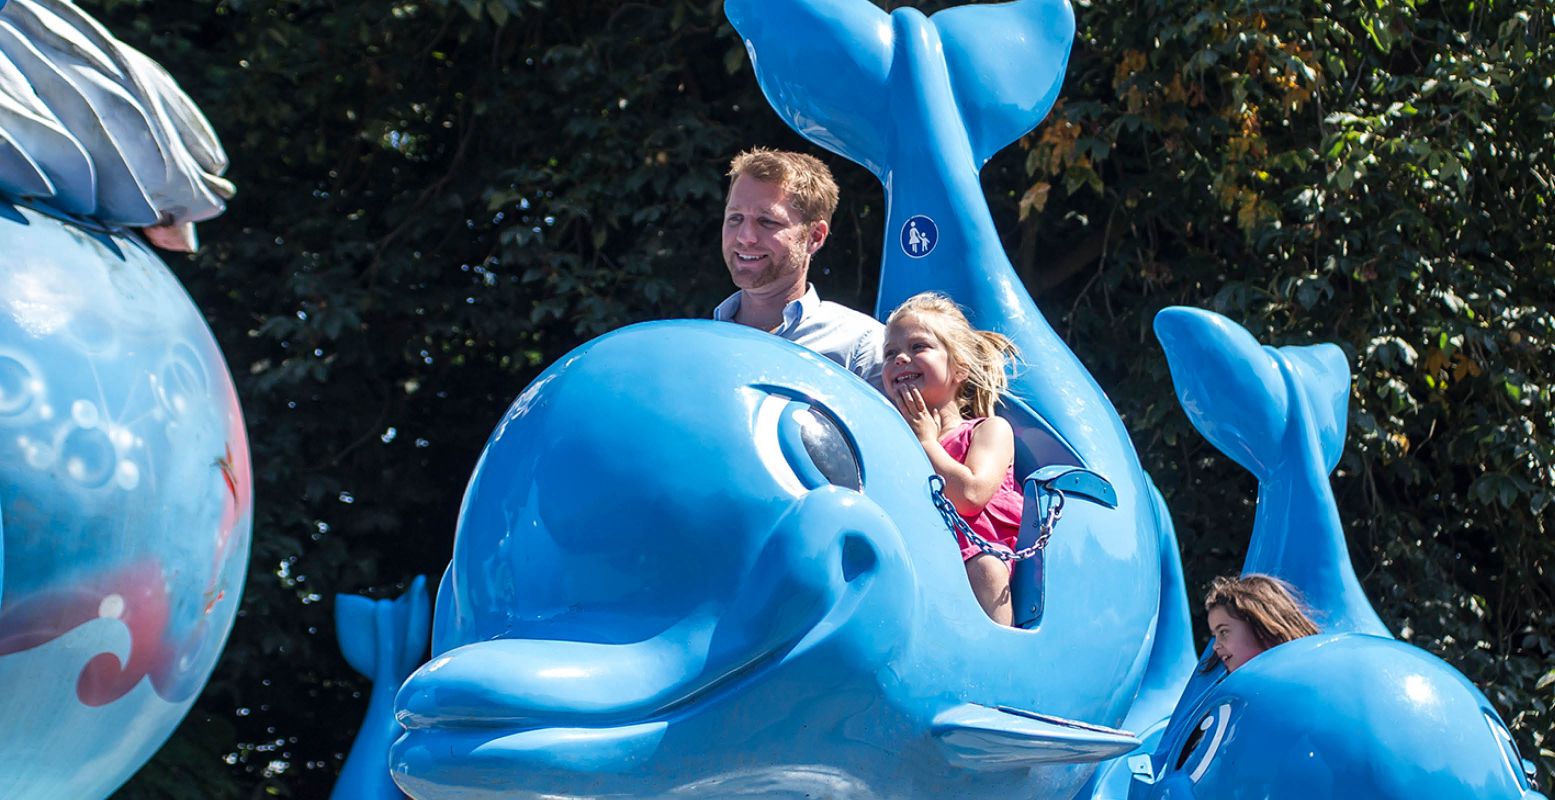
(999, 521)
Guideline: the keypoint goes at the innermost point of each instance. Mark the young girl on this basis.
(945, 378)
(1251, 614)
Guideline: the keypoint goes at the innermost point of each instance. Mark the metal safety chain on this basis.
(1050, 517)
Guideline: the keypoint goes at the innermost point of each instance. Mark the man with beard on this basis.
(777, 215)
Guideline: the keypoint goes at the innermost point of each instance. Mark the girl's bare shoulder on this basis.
(993, 429)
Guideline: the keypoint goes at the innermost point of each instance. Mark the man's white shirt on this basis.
(843, 335)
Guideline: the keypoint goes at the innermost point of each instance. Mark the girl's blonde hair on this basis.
(983, 354)
(1270, 606)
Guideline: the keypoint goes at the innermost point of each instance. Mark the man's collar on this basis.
(728, 308)
(796, 310)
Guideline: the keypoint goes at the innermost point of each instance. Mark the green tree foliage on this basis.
(439, 198)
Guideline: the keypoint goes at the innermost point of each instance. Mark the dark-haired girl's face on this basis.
(1235, 642)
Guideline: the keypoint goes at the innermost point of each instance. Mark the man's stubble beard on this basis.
(797, 262)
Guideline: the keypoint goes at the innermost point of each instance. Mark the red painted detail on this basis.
(138, 595)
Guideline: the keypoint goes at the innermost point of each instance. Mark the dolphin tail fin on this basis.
(1006, 64)
(354, 631)
(1235, 393)
(384, 640)
(1263, 406)
(829, 82)
(979, 737)
(1322, 374)
(833, 84)
(1229, 386)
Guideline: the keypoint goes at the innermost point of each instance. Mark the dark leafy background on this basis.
(439, 197)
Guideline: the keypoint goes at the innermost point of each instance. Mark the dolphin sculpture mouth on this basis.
(523, 684)
(806, 580)
(565, 707)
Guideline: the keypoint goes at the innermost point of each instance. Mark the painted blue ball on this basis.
(125, 505)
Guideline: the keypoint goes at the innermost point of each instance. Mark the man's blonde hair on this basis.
(983, 354)
(808, 183)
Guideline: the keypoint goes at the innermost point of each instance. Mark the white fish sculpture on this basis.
(93, 128)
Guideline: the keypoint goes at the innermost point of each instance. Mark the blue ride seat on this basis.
(1036, 445)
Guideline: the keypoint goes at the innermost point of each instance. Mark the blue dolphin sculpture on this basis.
(1348, 713)
(697, 561)
(923, 103)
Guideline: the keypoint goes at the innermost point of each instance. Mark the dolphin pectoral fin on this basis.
(979, 737)
(445, 614)
(1228, 384)
(1006, 64)
(1322, 374)
(830, 83)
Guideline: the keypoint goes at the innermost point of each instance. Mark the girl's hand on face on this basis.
(923, 420)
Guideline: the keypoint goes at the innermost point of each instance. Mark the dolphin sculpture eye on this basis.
(826, 447)
(804, 445)
(1199, 749)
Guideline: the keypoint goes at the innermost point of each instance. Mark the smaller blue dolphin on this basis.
(1348, 713)
(1338, 716)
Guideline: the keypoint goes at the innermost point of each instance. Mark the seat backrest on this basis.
(1036, 445)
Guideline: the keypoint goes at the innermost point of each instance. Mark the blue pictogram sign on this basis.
(919, 235)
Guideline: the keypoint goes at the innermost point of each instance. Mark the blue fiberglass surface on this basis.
(1350, 712)
(126, 499)
(655, 591)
